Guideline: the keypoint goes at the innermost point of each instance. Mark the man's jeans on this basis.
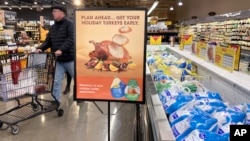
(61, 68)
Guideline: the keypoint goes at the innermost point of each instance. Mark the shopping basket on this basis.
(28, 81)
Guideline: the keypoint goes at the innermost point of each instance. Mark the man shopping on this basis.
(60, 40)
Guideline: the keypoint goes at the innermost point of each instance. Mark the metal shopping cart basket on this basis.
(28, 81)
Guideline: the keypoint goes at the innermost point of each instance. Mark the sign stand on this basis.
(102, 110)
(108, 120)
(137, 116)
(109, 113)
(137, 120)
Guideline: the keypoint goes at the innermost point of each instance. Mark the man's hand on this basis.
(58, 53)
(38, 50)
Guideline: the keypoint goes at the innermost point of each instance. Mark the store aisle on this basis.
(87, 121)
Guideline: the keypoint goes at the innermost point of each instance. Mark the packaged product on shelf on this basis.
(182, 113)
(210, 105)
(170, 59)
(234, 115)
(194, 112)
(23, 62)
(6, 66)
(177, 102)
(192, 86)
(169, 93)
(15, 69)
(247, 110)
(181, 63)
(205, 102)
(12, 48)
(208, 94)
(196, 120)
(204, 135)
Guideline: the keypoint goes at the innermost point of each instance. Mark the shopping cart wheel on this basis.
(15, 129)
(60, 112)
(34, 106)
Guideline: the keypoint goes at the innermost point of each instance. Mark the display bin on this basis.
(233, 87)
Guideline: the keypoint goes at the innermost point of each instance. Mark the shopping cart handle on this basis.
(38, 50)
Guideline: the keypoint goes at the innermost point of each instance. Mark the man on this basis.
(61, 41)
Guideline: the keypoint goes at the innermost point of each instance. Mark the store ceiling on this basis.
(161, 10)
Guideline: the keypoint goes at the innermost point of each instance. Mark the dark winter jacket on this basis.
(61, 36)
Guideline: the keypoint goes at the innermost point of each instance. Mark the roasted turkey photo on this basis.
(111, 55)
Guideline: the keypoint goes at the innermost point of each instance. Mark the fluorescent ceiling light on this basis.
(180, 3)
(153, 7)
(77, 2)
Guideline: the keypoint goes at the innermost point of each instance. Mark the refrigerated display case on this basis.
(234, 88)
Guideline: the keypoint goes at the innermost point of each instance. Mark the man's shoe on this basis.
(52, 105)
(67, 89)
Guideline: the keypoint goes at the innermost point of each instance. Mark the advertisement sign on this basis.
(1, 19)
(225, 58)
(211, 51)
(181, 47)
(110, 55)
(193, 47)
(201, 50)
(237, 56)
(45, 21)
(186, 41)
(155, 40)
(7, 17)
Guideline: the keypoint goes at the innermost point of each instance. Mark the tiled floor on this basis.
(87, 121)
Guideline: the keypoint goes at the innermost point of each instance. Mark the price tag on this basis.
(181, 45)
(9, 17)
(186, 41)
(193, 47)
(225, 58)
(211, 52)
(155, 40)
(201, 50)
(237, 56)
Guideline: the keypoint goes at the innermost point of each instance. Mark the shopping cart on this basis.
(29, 82)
